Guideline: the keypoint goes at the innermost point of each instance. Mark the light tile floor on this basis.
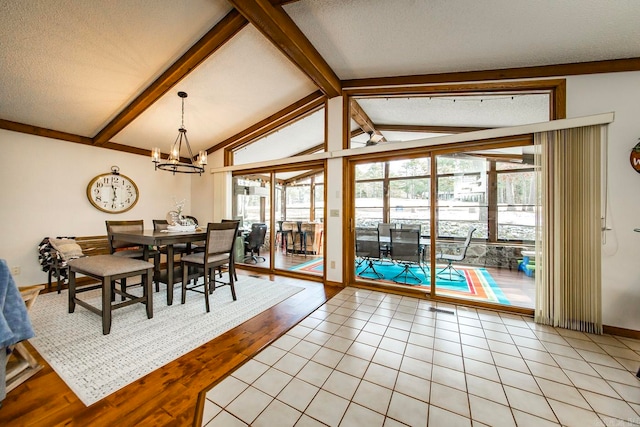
(369, 358)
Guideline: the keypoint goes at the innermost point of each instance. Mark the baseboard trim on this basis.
(621, 332)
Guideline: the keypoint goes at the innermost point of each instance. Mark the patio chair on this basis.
(384, 240)
(459, 253)
(405, 250)
(367, 250)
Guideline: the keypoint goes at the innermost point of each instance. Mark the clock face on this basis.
(112, 193)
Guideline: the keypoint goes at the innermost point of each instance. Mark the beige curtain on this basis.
(568, 244)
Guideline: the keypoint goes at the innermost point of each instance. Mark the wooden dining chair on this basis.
(219, 251)
(178, 248)
(130, 250)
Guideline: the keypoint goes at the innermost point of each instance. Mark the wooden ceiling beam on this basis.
(362, 119)
(272, 123)
(571, 69)
(310, 150)
(222, 32)
(278, 27)
(44, 132)
(428, 128)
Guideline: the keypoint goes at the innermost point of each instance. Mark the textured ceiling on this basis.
(72, 66)
(244, 82)
(288, 141)
(379, 38)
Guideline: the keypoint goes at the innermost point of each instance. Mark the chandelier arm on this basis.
(186, 140)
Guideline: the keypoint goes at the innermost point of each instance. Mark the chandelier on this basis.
(173, 162)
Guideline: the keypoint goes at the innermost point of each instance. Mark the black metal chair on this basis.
(367, 250)
(405, 250)
(218, 251)
(253, 242)
(417, 227)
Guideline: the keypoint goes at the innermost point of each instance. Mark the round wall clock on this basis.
(112, 192)
(635, 157)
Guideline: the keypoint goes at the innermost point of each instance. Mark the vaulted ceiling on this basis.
(106, 73)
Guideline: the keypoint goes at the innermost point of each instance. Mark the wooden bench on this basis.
(91, 245)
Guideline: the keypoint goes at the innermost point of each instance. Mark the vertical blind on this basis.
(568, 245)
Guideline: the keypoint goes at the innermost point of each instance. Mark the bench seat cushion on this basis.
(108, 265)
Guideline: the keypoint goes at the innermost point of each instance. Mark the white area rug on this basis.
(96, 365)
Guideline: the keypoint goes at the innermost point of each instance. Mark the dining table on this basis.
(148, 238)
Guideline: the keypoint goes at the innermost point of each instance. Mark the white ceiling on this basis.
(286, 142)
(379, 38)
(72, 66)
(239, 85)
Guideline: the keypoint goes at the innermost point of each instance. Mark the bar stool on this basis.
(287, 231)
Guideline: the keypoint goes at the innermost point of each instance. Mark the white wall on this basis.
(44, 183)
(333, 224)
(620, 93)
(43, 193)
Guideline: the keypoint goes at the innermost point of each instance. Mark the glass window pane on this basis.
(299, 234)
(516, 206)
(252, 203)
(410, 167)
(368, 204)
(462, 196)
(369, 171)
(409, 202)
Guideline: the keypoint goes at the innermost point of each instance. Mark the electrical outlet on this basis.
(15, 271)
(333, 264)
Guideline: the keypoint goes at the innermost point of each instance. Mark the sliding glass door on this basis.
(392, 220)
(252, 207)
(294, 237)
(299, 217)
(483, 210)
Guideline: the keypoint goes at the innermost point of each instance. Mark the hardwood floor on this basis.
(170, 395)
